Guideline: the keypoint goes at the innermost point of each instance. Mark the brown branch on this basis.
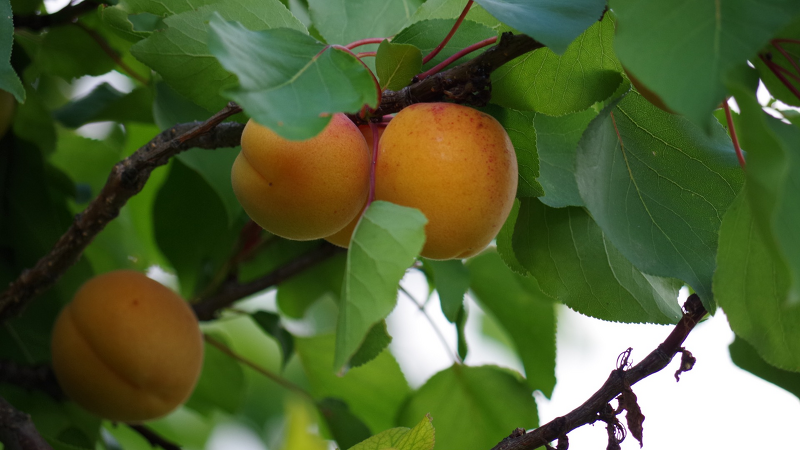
(17, 431)
(39, 377)
(467, 83)
(64, 16)
(126, 180)
(618, 381)
(108, 50)
(153, 438)
(207, 308)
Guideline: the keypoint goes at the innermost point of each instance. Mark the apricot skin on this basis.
(302, 190)
(455, 164)
(127, 348)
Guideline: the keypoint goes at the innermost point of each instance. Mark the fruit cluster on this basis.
(453, 163)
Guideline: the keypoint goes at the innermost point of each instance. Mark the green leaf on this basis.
(397, 64)
(222, 382)
(746, 357)
(298, 433)
(451, 279)
(180, 53)
(542, 81)
(105, 103)
(773, 178)
(576, 263)
(170, 107)
(555, 24)
(165, 7)
(196, 252)
(505, 244)
(524, 311)
(421, 437)
(34, 123)
(751, 285)
(299, 292)
(375, 342)
(384, 244)
(490, 399)
(86, 161)
(382, 378)
(288, 81)
(660, 196)
(345, 21)
(772, 82)
(428, 34)
(519, 126)
(347, 429)
(215, 168)
(9, 80)
(451, 9)
(557, 142)
(70, 52)
(658, 41)
(271, 324)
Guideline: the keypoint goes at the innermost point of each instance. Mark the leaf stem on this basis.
(366, 54)
(773, 67)
(272, 376)
(361, 42)
(446, 39)
(732, 130)
(450, 60)
(786, 55)
(374, 78)
(421, 307)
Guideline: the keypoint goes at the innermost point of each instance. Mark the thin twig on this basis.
(272, 376)
(465, 51)
(734, 138)
(104, 45)
(618, 381)
(17, 431)
(127, 178)
(153, 438)
(421, 307)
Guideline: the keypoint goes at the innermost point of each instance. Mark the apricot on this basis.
(457, 166)
(342, 237)
(302, 190)
(127, 348)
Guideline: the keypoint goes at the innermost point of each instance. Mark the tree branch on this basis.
(39, 377)
(153, 438)
(64, 16)
(126, 180)
(619, 381)
(17, 431)
(207, 308)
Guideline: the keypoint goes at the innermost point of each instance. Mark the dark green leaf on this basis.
(519, 126)
(505, 243)
(215, 168)
(382, 378)
(296, 294)
(222, 382)
(490, 399)
(545, 82)
(375, 342)
(106, 103)
(34, 123)
(461, 333)
(180, 53)
(451, 9)
(288, 81)
(428, 34)
(746, 357)
(751, 285)
(575, 263)
(70, 52)
(345, 21)
(683, 50)
(347, 429)
(658, 186)
(384, 244)
(557, 142)
(170, 108)
(775, 56)
(555, 24)
(451, 279)
(271, 324)
(9, 80)
(525, 312)
(396, 64)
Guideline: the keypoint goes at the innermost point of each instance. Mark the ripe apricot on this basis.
(127, 348)
(342, 237)
(302, 190)
(457, 166)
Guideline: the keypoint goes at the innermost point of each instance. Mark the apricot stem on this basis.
(272, 376)
(361, 42)
(446, 39)
(450, 60)
(732, 130)
(373, 128)
(421, 307)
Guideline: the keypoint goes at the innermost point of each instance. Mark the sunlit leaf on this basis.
(397, 64)
(421, 437)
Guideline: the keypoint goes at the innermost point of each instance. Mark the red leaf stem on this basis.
(446, 39)
(361, 42)
(773, 67)
(732, 130)
(786, 55)
(364, 54)
(450, 60)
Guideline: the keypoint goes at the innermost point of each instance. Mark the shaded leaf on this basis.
(451, 279)
(451, 9)
(576, 263)
(490, 399)
(397, 64)
(347, 429)
(545, 82)
(519, 126)
(9, 80)
(215, 168)
(658, 186)
(772, 82)
(288, 81)
(658, 40)
(746, 357)
(170, 107)
(222, 382)
(504, 241)
(345, 21)
(384, 244)
(106, 103)
(428, 34)
(375, 342)
(271, 324)
(525, 312)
